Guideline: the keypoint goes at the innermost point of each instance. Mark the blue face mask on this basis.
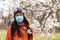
(19, 19)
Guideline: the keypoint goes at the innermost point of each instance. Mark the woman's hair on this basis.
(15, 28)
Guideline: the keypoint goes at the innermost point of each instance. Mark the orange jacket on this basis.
(23, 30)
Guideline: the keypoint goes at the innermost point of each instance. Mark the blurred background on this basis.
(43, 14)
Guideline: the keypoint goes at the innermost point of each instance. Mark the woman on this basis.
(19, 29)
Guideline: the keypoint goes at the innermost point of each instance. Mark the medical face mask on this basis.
(19, 19)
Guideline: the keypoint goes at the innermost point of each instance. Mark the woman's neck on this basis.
(21, 24)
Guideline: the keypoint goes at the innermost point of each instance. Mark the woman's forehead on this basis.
(19, 14)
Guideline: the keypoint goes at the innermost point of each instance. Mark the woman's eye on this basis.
(16, 15)
(19, 15)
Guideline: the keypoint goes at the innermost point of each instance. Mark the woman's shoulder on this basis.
(9, 28)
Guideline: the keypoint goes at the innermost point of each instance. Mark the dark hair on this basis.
(18, 11)
(14, 27)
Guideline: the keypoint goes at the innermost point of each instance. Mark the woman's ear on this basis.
(28, 19)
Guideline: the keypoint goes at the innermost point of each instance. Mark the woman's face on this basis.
(19, 17)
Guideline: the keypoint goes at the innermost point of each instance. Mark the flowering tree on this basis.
(45, 15)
